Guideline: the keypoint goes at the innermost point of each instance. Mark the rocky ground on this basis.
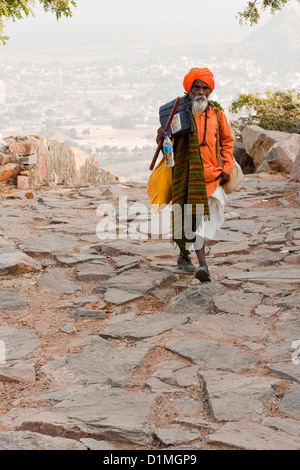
(106, 345)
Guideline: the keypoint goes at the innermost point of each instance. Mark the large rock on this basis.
(258, 141)
(243, 159)
(295, 170)
(9, 172)
(24, 148)
(49, 161)
(282, 155)
(66, 165)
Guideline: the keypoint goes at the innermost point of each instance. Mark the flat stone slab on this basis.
(280, 274)
(80, 313)
(144, 326)
(290, 426)
(26, 440)
(138, 280)
(253, 436)
(288, 329)
(222, 327)
(290, 403)
(196, 299)
(19, 343)
(228, 248)
(76, 258)
(100, 362)
(235, 397)
(120, 297)
(94, 272)
(175, 436)
(124, 260)
(54, 281)
(237, 302)
(47, 244)
(145, 249)
(286, 370)
(210, 354)
(177, 374)
(98, 412)
(21, 372)
(11, 300)
(92, 444)
(14, 261)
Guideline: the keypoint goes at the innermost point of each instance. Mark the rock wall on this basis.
(32, 161)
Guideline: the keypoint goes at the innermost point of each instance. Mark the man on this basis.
(198, 176)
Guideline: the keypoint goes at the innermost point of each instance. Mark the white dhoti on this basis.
(207, 230)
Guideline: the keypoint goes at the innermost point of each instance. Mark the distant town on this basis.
(107, 104)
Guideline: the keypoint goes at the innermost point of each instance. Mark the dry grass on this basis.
(6, 188)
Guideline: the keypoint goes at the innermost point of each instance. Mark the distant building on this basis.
(2, 92)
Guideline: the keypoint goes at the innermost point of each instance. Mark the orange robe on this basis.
(208, 152)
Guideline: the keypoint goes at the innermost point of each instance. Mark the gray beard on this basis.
(199, 104)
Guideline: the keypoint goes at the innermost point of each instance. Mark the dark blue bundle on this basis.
(183, 119)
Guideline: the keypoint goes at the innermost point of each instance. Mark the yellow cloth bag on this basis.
(159, 186)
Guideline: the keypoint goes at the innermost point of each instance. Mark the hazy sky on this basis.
(101, 22)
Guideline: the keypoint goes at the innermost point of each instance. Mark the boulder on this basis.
(25, 148)
(47, 162)
(9, 172)
(258, 141)
(295, 170)
(243, 159)
(60, 163)
(3, 146)
(282, 155)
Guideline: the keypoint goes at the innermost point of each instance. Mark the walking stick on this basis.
(165, 129)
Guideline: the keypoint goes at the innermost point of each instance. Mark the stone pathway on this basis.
(108, 346)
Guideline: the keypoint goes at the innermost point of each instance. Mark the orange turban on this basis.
(203, 74)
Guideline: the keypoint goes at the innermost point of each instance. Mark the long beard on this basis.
(199, 104)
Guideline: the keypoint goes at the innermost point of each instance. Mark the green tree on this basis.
(255, 8)
(18, 9)
(276, 110)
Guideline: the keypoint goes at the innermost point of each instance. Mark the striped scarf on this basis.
(189, 196)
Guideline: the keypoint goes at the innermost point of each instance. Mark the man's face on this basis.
(200, 88)
(199, 93)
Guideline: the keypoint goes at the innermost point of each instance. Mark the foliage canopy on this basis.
(18, 9)
(276, 110)
(255, 8)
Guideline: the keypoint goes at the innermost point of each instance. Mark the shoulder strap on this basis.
(219, 139)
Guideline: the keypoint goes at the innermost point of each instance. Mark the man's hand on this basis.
(223, 177)
(160, 134)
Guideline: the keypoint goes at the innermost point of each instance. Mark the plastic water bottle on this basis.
(168, 151)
